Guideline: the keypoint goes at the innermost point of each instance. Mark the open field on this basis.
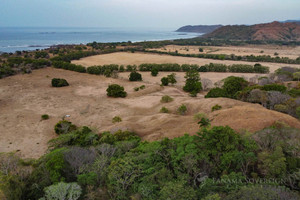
(125, 58)
(24, 98)
(257, 50)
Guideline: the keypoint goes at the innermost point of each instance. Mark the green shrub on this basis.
(135, 76)
(116, 119)
(94, 70)
(294, 92)
(164, 110)
(57, 82)
(164, 81)
(204, 121)
(216, 107)
(45, 117)
(154, 71)
(63, 127)
(192, 83)
(216, 92)
(116, 90)
(274, 87)
(142, 87)
(166, 99)
(171, 78)
(182, 109)
(234, 84)
(199, 115)
(136, 89)
(298, 112)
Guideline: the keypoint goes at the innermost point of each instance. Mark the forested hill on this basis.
(270, 31)
(199, 28)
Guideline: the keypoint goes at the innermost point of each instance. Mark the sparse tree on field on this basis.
(206, 83)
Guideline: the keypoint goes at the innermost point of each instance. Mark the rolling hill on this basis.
(199, 28)
(269, 31)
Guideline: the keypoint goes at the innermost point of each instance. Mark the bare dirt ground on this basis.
(257, 50)
(124, 58)
(24, 98)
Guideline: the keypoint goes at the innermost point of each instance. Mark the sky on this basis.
(143, 13)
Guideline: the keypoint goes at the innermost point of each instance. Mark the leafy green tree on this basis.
(154, 71)
(273, 164)
(216, 92)
(164, 81)
(63, 127)
(116, 90)
(192, 83)
(260, 192)
(122, 174)
(227, 150)
(234, 84)
(135, 76)
(62, 191)
(177, 190)
(171, 78)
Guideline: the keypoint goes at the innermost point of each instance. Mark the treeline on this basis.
(14, 65)
(215, 163)
(69, 66)
(267, 92)
(173, 67)
(76, 55)
(249, 58)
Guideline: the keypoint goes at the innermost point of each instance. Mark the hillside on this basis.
(270, 31)
(199, 28)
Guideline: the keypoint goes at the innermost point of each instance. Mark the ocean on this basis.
(18, 39)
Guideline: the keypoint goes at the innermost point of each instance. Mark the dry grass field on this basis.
(257, 50)
(124, 58)
(24, 98)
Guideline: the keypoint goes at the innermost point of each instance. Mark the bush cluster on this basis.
(59, 82)
(116, 90)
(69, 66)
(135, 76)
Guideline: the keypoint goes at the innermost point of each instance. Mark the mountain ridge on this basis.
(199, 28)
(288, 31)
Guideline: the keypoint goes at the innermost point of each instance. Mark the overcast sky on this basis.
(143, 13)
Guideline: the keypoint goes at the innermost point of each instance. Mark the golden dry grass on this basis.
(124, 58)
(24, 98)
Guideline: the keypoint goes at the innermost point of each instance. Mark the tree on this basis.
(154, 71)
(192, 83)
(62, 191)
(177, 190)
(216, 92)
(135, 76)
(296, 75)
(234, 84)
(164, 81)
(171, 78)
(122, 174)
(116, 90)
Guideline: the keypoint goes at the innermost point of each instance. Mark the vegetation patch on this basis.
(116, 90)
(59, 82)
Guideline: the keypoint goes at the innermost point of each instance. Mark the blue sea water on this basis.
(17, 39)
